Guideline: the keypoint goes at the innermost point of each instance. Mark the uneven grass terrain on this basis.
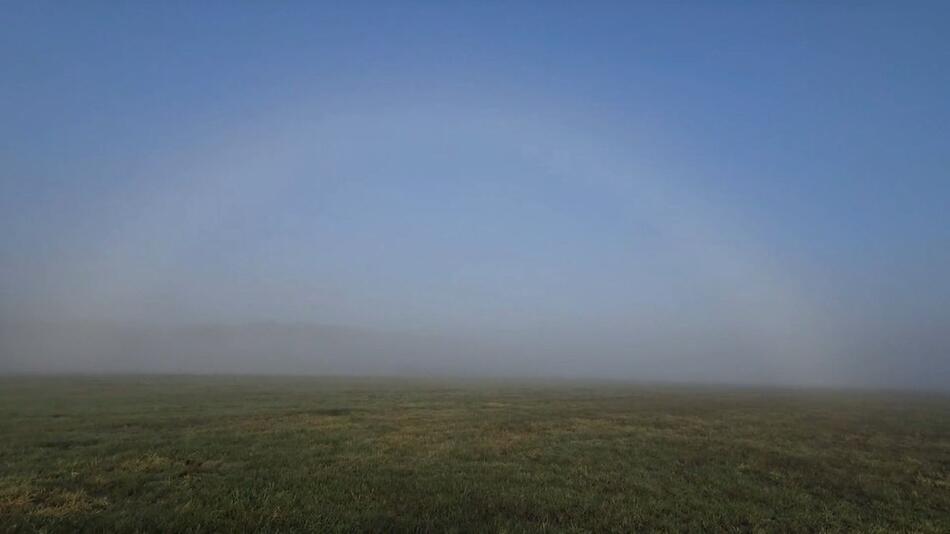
(235, 454)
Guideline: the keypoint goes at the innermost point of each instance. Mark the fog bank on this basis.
(634, 192)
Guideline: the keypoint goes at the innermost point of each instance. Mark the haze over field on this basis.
(690, 192)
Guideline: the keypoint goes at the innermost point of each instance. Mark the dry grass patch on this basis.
(15, 497)
(150, 463)
(65, 503)
(26, 499)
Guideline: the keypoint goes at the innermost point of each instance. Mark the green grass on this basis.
(236, 454)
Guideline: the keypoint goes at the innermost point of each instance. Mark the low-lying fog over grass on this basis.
(676, 193)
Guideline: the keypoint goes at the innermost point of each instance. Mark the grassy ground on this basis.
(230, 454)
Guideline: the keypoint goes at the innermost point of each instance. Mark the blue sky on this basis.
(488, 166)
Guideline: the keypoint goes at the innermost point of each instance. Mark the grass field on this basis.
(233, 454)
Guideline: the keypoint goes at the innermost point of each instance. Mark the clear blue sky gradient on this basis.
(426, 165)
